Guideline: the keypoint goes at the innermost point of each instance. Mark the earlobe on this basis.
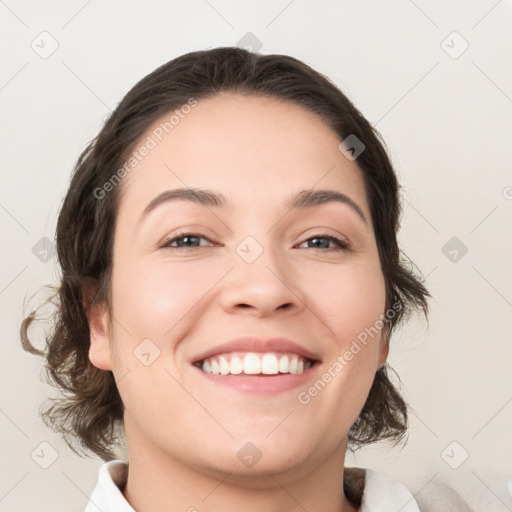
(97, 315)
(384, 348)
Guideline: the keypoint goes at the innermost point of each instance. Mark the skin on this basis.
(184, 432)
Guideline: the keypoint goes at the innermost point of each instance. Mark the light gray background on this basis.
(447, 121)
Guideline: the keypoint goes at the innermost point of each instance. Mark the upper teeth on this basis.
(256, 363)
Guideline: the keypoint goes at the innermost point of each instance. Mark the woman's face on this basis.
(251, 266)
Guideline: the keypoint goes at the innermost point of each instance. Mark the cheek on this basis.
(158, 302)
(153, 298)
(350, 299)
(351, 304)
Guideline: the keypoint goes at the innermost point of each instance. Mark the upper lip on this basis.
(253, 344)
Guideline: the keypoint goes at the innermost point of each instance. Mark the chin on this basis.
(259, 474)
(258, 456)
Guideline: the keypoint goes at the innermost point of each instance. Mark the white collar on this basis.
(107, 495)
(381, 494)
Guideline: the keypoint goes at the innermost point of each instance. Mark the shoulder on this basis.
(379, 493)
(383, 493)
(374, 492)
(107, 495)
(439, 496)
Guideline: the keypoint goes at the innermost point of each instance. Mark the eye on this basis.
(319, 242)
(184, 241)
(193, 240)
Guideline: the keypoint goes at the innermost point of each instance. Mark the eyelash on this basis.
(342, 245)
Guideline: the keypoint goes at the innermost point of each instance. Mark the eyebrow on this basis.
(306, 199)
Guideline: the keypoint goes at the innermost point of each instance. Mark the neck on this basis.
(157, 483)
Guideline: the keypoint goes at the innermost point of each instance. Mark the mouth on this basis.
(257, 366)
(254, 363)
(254, 373)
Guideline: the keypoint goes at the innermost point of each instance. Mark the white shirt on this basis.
(381, 494)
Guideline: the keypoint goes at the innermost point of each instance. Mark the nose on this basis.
(262, 287)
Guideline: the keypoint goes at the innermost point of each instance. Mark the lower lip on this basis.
(261, 384)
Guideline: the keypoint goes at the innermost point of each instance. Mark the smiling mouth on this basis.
(253, 363)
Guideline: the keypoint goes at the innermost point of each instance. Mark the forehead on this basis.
(253, 148)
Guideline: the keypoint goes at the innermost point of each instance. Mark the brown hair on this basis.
(92, 410)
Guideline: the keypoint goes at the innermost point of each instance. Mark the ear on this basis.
(384, 346)
(100, 354)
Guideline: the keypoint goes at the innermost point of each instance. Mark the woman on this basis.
(230, 282)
